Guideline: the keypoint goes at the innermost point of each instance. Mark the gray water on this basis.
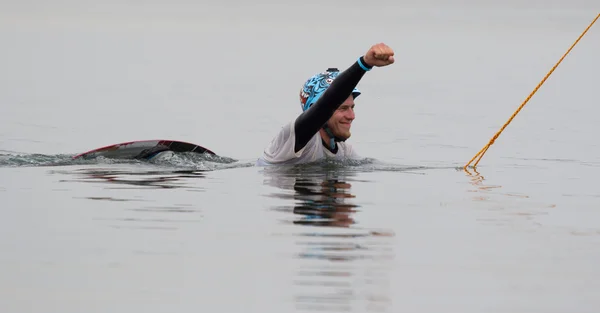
(405, 230)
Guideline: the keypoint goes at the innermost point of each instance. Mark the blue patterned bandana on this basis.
(316, 85)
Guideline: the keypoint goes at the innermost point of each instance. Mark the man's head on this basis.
(311, 91)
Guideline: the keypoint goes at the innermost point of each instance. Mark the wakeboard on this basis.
(142, 149)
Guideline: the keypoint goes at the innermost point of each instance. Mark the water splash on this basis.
(196, 161)
(208, 162)
(187, 160)
(348, 166)
(35, 159)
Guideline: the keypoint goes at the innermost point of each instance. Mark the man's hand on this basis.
(379, 55)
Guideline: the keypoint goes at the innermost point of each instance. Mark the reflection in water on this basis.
(477, 180)
(134, 211)
(165, 179)
(322, 203)
(343, 267)
(509, 208)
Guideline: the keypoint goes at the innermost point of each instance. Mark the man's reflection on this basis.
(320, 199)
(332, 259)
(322, 204)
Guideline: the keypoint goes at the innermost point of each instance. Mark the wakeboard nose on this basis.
(142, 149)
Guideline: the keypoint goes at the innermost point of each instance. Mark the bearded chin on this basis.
(337, 136)
(348, 134)
(343, 136)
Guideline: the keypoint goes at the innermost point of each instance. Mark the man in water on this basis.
(327, 101)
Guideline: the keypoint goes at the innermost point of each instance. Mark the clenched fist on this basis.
(379, 55)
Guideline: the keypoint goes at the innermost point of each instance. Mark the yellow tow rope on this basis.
(486, 147)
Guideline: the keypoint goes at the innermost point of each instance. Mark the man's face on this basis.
(342, 119)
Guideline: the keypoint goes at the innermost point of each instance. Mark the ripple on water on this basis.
(342, 266)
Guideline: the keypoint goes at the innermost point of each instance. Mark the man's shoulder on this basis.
(281, 146)
(285, 133)
(281, 149)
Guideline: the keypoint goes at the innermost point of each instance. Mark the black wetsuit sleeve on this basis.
(311, 120)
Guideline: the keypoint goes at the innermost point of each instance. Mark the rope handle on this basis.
(482, 152)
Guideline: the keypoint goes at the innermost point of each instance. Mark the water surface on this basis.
(405, 229)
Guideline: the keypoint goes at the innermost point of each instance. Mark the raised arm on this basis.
(311, 120)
